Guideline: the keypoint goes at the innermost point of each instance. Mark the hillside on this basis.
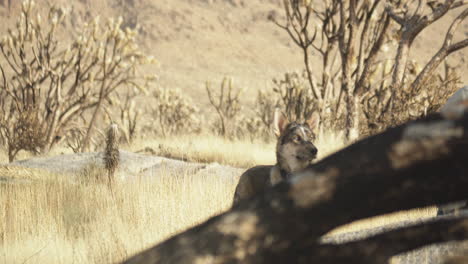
(204, 40)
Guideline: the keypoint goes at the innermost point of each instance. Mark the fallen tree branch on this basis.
(380, 248)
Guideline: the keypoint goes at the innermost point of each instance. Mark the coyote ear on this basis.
(313, 121)
(279, 122)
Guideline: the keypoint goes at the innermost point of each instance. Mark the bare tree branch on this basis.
(446, 49)
(393, 14)
(381, 247)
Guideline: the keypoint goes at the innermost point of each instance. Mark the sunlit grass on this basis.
(209, 148)
(62, 222)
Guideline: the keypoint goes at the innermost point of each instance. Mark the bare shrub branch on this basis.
(447, 48)
(353, 40)
(63, 81)
(227, 105)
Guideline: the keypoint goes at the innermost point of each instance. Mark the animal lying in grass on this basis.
(295, 150)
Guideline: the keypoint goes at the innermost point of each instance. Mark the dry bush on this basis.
(64, 80)
(74, 138)
(260, 125)
(237, 122)
(130, 115)
(350, 37)
(22, 131)
(384, 108)
(173, 112)
(264, 107)
(254, 129)
(294, 97)
(227, 105)
(296, 100)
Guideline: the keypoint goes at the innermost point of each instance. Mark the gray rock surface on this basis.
(131, 165)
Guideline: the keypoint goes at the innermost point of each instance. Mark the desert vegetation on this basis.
(61, 89)
(47, 86)
(355, 40)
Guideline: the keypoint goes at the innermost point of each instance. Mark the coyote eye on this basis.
(296, 138)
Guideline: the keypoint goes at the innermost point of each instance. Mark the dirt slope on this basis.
(200, 40)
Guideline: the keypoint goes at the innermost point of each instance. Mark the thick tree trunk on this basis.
(417, 164)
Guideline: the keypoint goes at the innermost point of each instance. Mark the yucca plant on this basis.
(111, 153)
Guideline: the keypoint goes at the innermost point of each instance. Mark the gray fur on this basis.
(294, 151)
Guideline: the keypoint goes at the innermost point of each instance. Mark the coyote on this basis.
(294, 152)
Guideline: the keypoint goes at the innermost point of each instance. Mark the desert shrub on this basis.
(173, 112)
(386, 108)
(350, 38)
(259, 126)
(264, 107)
(23, 131)
(251, 127)
(292, 94)
(74, 138)
(294, 97)
(63, 80)
(129, 114)
(226, 103)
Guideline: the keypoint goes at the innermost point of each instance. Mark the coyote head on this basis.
(295, 148)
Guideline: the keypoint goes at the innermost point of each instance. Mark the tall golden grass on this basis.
(50, 219)
(58, 221)
(240, 153)
(209, 148)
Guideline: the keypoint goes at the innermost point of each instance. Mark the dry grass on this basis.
(50, 220)
(209, 148)
(62, 222)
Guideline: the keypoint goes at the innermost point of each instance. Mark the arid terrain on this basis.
(57, 208)
(196, 41)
